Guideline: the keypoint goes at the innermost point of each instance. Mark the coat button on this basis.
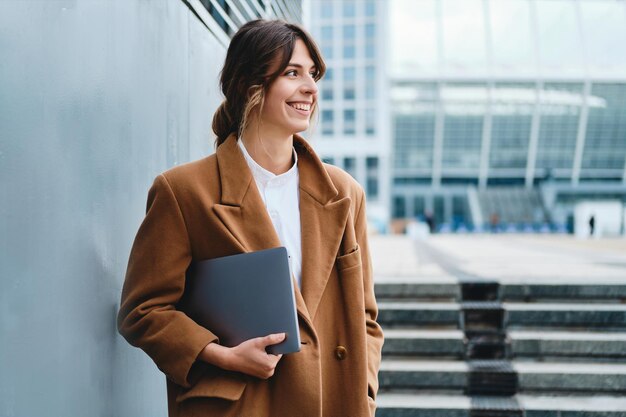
(341, 352)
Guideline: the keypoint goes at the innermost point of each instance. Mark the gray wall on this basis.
(96, 98)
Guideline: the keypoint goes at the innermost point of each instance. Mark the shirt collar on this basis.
(267, 177)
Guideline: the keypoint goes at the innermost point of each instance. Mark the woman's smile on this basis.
(301, 108)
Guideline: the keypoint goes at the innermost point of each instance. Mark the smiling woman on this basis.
(264, 187)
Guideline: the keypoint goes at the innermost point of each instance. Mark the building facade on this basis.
(493, 94)
(353, 131)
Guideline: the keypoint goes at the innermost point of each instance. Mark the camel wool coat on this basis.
(211, 208)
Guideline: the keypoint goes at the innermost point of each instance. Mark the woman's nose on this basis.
(309, 86)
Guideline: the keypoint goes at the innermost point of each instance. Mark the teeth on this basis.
(299, 106)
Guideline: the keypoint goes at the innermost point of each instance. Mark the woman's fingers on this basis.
(272, 339)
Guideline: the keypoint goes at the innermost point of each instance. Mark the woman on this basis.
(264, 187)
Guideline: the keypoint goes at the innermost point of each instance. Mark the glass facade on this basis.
(560, 108)
(605, 139)
(464, 110)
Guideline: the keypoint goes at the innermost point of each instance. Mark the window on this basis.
(399, 207)
(348, 93)
(370, 122)
(349, 9)
(349, 165)
(327, 9)
(370, 74)
(327, 122)
(348, 32)
(370, 8)
(348, 74)
(348, 51)
(370, 30)
(349, 117)
(371, 184)
(327, 33)
(327, 51)
(327, 92)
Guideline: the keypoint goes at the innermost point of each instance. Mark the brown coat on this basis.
(211, 208)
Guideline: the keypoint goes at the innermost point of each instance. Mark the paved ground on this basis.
(507, 258)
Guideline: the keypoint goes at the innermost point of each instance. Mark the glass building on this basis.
(354, 129)
(522, 96)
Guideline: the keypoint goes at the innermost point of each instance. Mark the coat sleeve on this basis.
(375, 337)
(154, 283)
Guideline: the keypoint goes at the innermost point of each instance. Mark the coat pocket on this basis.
(349, 260)
(222, 384)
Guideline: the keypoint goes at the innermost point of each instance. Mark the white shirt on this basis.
(281, 195)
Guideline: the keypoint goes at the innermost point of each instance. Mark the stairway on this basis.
(477, 348)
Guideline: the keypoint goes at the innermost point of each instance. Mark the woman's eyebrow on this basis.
(293, 64)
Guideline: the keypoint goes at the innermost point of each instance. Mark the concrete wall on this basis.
(96, 98)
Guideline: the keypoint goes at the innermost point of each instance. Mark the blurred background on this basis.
(497, 125)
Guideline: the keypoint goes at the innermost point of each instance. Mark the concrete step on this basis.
(417, 342)
(410, 312)
(421, 404)
(565, 314)
(411, 373)
(559, 345)
(435, 289)
(517, 315)
(583, 345)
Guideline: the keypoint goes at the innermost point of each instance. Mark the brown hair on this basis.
(245, 77)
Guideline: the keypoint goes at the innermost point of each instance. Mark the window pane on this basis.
(348, 32)
(414, 126)
(349, 165)
(327, 33)
(513, 106)
(560, 105)
(348, 8)
(348, 51)
(327, 51)
(348, 74)
(464, 107)
(605, 144)
(327, 8)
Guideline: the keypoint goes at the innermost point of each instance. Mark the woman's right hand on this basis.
(248, 357)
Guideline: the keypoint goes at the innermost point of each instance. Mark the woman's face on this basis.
(292, 96)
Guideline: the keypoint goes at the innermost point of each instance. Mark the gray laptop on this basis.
(244, 296)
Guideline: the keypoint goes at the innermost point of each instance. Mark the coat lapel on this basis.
(322, 217)
(241, 208)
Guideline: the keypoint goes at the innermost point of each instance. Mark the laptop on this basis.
(243, 296)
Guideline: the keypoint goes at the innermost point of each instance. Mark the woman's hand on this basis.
(248, 357)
